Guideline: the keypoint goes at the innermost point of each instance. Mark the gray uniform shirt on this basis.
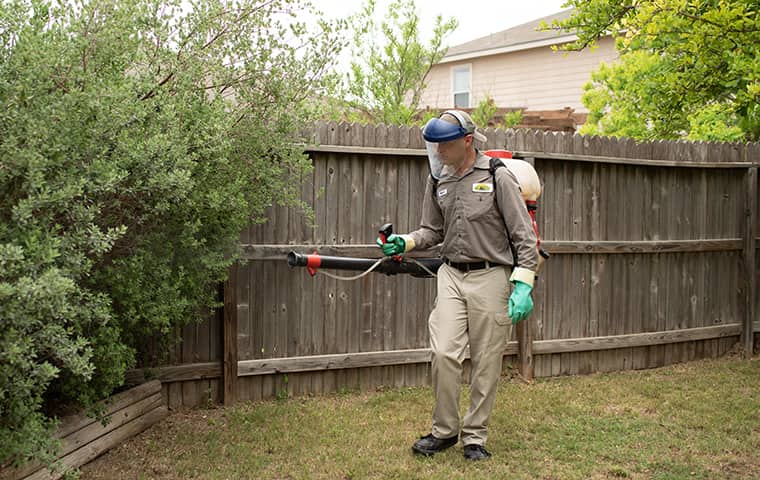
(464, 216)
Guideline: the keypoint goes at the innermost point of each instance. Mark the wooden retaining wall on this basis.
(653, 262)
(83, 438)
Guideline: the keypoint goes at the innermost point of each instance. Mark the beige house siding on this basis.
(533, 79)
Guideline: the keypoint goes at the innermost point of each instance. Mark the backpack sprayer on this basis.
(423, 267)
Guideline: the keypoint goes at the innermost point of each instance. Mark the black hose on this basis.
(389, 267)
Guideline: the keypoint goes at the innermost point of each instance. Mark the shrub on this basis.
(137, 139)
(484, 112)
(512, 119)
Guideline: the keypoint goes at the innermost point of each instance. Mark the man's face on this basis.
(454, 152)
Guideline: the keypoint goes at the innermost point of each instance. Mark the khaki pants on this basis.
(471, 308)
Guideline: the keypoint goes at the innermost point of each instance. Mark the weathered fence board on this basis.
(748, 267)
(230, 332)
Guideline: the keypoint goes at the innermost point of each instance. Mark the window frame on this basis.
(454, 70)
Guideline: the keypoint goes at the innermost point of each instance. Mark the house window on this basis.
(460, 85)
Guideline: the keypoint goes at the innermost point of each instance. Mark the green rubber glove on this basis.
(394, 245)
(520, 303)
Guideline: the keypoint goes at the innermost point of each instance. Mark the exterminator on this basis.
(475, 211)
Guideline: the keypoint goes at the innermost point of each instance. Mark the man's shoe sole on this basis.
(478, 457)
(430, 453)
(424, 453)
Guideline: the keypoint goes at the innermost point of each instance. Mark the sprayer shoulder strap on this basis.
(493, 165)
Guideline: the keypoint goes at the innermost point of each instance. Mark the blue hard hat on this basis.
(437, 130)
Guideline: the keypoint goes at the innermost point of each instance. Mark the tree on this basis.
(688, 68)
(137, 139)
(390, 63)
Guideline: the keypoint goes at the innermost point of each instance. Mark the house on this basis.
(519, 70)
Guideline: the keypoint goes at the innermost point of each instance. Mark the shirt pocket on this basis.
(445, 200)
(478, 204)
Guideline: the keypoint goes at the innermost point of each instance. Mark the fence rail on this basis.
(200, 371)
(653, 262)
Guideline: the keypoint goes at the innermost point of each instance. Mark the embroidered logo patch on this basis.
(441, 192)
(482, 187)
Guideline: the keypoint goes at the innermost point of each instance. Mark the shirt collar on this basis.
(481, 163)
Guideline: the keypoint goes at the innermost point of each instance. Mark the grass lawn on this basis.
(697, 420)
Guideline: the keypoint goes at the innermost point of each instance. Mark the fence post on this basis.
(525, 328)
(525, 348)
(229, 332)
(750, 279)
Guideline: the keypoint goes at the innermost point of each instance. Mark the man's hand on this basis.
(394, 245)
(520, 302)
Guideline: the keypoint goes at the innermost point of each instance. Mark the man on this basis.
(475, 215)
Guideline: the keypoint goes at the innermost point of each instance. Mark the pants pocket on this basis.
(501, 318)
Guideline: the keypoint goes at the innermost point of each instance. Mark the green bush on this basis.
(137, 139)
(484, 112)
(512, 119)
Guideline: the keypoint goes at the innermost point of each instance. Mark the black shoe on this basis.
(475, 452)
(428, 445)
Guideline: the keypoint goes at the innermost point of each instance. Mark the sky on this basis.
(477, 18)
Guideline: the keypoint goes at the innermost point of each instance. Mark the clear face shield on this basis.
(434, 160)
(436, 132)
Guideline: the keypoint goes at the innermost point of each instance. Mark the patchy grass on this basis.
(698, 420)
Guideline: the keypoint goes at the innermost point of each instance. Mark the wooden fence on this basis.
(653, 262)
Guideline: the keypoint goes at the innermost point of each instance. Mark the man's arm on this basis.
(430, 232)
